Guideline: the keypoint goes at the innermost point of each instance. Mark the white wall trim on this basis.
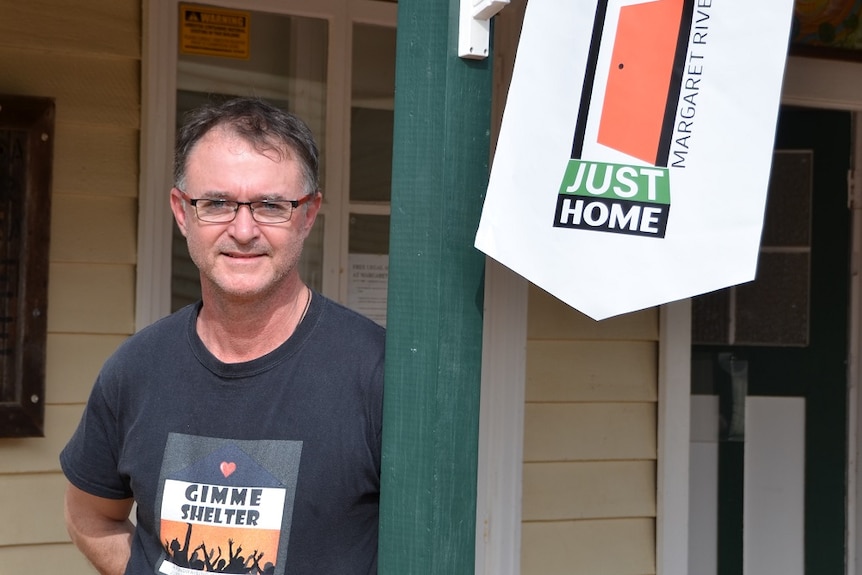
(674, 430)
(501, 422)
(158, 85)
(818, 83)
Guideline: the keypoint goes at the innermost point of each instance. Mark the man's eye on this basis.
(216, 204)
(272, 207)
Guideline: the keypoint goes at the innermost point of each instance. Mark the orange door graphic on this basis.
(640, 78)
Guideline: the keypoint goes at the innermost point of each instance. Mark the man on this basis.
(246, 427)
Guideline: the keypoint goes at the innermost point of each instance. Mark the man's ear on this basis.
(178, 207)
(309, 214)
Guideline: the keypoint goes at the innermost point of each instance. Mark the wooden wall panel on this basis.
(93, 229)
(591, 371)
(40, 454)
(589, 490)
(93, 26)
(603, 547)
(91, 298)
(590, 441)
(549, 318)
(59, 558)
(86, 55)
(32, 507)
(95, 160)
(589, 431)
(74, 361)
(93, 91)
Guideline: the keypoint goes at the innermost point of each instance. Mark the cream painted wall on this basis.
(86, 55)
(590, 433)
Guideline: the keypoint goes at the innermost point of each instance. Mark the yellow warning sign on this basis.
(208, 31)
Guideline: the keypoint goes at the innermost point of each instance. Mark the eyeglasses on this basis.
(217, 211)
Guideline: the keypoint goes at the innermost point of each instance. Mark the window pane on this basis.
(368, 234)
(774, 308)
(371, 155)
(373, 79)
(711, 318)
(368, 261)
(788, 207)
(371, 118)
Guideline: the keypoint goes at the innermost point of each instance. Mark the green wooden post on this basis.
(434, 318)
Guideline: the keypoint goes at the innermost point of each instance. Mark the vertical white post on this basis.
(501, 423)
(159, 88)
(674, 437)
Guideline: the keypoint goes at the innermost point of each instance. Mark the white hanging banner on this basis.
(634, 155)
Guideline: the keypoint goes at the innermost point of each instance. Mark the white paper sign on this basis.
(634, 155)
(367, 286)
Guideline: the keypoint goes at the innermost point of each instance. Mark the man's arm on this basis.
(100, 528)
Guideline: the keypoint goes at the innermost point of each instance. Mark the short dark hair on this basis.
(265, 127)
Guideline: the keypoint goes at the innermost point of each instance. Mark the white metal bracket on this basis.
(474, 31)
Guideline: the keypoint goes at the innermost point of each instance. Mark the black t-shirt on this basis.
(266, 466)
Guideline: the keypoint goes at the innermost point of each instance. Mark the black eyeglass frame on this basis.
(251, 207)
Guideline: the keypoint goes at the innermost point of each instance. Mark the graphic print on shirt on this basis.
(226, 506)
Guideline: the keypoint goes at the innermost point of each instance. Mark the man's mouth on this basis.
(242, 255)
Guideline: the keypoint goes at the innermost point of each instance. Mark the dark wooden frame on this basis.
(24, 304)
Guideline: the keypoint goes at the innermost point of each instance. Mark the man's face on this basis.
(242, 259)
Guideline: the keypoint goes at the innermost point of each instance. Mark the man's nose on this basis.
(244, 225)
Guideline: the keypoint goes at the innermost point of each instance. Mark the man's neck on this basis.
(237, 331)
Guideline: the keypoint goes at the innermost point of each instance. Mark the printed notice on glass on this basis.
(369, 274)
(207, 31)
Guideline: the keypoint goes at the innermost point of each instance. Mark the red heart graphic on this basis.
(227, 467)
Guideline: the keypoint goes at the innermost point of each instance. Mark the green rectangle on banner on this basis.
(617, 181)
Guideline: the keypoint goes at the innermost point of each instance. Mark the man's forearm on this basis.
(109, 553)
(101, 529)
(108, 548)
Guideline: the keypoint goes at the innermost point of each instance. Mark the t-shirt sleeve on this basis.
(90, 459)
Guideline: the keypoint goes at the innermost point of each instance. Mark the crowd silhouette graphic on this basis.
(213, 560)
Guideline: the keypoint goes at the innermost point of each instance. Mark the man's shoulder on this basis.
(348, 320)
(165, 332)
(341, 328)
